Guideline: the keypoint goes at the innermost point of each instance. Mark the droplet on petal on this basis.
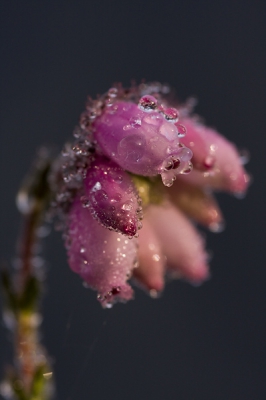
(180, 242)
(171, 114)
(199, 204)
(150, 273)
(138, 141)
(147, 103)
(112, 197)
(107, 258)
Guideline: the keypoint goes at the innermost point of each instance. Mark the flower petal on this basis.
(181, 243)
(150, 272)
(142, 142)
(227, 173)
(111, 196)
(104, 259)
(198, 204)
(203, 158)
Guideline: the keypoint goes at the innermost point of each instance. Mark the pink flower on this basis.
(132, 161)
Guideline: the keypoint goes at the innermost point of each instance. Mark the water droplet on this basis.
(115, 290)
(43, 231)
(132, 148)
(153, 293)
(185, 154)
(181, 130)
(127, 206)
(85, 201)
(82, 249)
(209, 162)
(176, 163)
(217, 227)
(135, 122)
(147, 103)
(168, 165)
(116, 198)
(112, 92)
(167, 181)
(127, 127)
(100, 297)
(244, 156)
(187, 169)
(239, 195)
(85, 121)
(171, 115)
(6, 390)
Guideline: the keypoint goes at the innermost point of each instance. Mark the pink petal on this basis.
(150, 272)
(112, 197)
(198, 204)
(227, 173)
(203, 158)
(181, 243)
(104, 259)
(142, 142)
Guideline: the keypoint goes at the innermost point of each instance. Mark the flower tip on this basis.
(200, 275)
(116, 294)
(217, 226)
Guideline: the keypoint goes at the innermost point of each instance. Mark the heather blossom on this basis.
(139, 175)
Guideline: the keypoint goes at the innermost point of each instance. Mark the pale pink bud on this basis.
(180, 242)
(222, 162)
(104, 259)
(150, 273)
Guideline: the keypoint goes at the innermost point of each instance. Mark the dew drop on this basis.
(171, 115)
(147, 103)
(135, 122)
(6, 390)
(82, 250)
(168, 165)
(209, 162)
(112, 92)
(239, 195)
(181, 130)
(132, 148)
(85, 201)
(127, 206)
(153, 293)
(115, 290)
(187, 169)
(127, 127)
(116, 198)
(217, 227)
(176, 163)
(244, 156)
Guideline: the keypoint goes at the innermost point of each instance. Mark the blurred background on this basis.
(193, 343)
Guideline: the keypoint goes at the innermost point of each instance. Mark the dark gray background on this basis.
(193, 343)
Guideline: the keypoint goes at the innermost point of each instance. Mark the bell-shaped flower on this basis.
(142, 140)
(112, 197)
(103, 258)
(131, 137)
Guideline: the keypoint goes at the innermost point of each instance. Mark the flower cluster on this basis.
(140, 172)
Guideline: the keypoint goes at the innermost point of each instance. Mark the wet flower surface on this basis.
(140, 174)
